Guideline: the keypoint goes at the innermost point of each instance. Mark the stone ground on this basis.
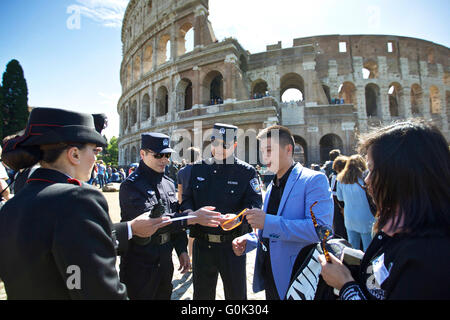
(182, 284)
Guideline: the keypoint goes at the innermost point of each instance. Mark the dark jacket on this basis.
(403, 267)
(139, 194)
(230, 188)
(54, 226)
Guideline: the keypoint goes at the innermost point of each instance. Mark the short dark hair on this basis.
(284, 135)
(334, 154)
(409, 175)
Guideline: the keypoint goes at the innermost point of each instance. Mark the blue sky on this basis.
(76, 66)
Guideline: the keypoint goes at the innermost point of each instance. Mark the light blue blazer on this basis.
(292, 228)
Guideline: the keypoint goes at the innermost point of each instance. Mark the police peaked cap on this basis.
(224, 132)
(156, 142)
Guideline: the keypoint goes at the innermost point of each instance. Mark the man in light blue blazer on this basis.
(284, 225)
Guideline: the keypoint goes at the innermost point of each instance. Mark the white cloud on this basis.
(109, 13)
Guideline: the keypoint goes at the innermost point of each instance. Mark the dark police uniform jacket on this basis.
(139, 194)
(57, 242)
(230, 188)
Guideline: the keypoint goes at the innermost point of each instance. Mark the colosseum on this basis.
(176, 74)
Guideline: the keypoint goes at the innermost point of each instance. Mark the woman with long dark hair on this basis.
(409, 257)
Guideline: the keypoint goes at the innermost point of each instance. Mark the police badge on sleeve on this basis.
(255, 185)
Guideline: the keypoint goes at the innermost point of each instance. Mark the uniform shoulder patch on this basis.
(254, 183)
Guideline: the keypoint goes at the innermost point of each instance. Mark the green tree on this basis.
(1, 113)
(15, 99)
(111, 153)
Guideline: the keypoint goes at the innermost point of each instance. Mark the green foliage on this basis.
(14, 107)
(1, 113)
(110, 154)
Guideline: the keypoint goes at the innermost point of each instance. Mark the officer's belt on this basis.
(217, 238)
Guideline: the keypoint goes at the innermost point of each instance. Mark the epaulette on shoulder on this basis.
(133, 177)
(167, 178)
(244, 164)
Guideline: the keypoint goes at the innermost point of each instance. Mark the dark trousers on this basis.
(269, 281)
(338, 221)
(211, 259)
(148, 276)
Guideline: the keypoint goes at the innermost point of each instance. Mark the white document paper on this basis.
(182, 218)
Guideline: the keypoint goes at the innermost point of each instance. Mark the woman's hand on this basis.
(335, 273)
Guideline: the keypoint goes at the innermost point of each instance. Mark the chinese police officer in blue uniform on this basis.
(230, 186)
(147, 268)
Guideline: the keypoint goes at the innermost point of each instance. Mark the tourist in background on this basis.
(358, 218)
(338, 219)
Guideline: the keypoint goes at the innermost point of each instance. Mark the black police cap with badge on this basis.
(225, 132)
(157, 142)
(51, 126)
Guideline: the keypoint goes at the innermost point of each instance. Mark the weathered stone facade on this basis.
(378, 78)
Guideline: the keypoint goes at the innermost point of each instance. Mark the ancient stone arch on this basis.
(185, 33)
(213, 84)
(300, 150)
(327, 143)
(259, 88)
(184, 95)
(292, 81)
(145, 112)
(396, 103)
(162, 101)
(347, 91)
(164, 49)
(373, 100)
(133, 113)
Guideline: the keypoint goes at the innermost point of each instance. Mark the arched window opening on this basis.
(162, 102)
(372, 100)
(133, 115)
(327, 143)
(300, 150)
(184, 95)
(164, 49)
(292, 88)
(394, 99)
(216, 90)
(145, 107)
(347, 95)
(259, 89)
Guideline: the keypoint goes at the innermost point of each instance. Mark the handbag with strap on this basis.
(372, 205)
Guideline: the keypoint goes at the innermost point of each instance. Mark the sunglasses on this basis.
(161, 155)
(230, 221)
(323, 232)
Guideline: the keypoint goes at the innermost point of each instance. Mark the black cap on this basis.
(50, 126)
(157, 142)
(224, 132)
